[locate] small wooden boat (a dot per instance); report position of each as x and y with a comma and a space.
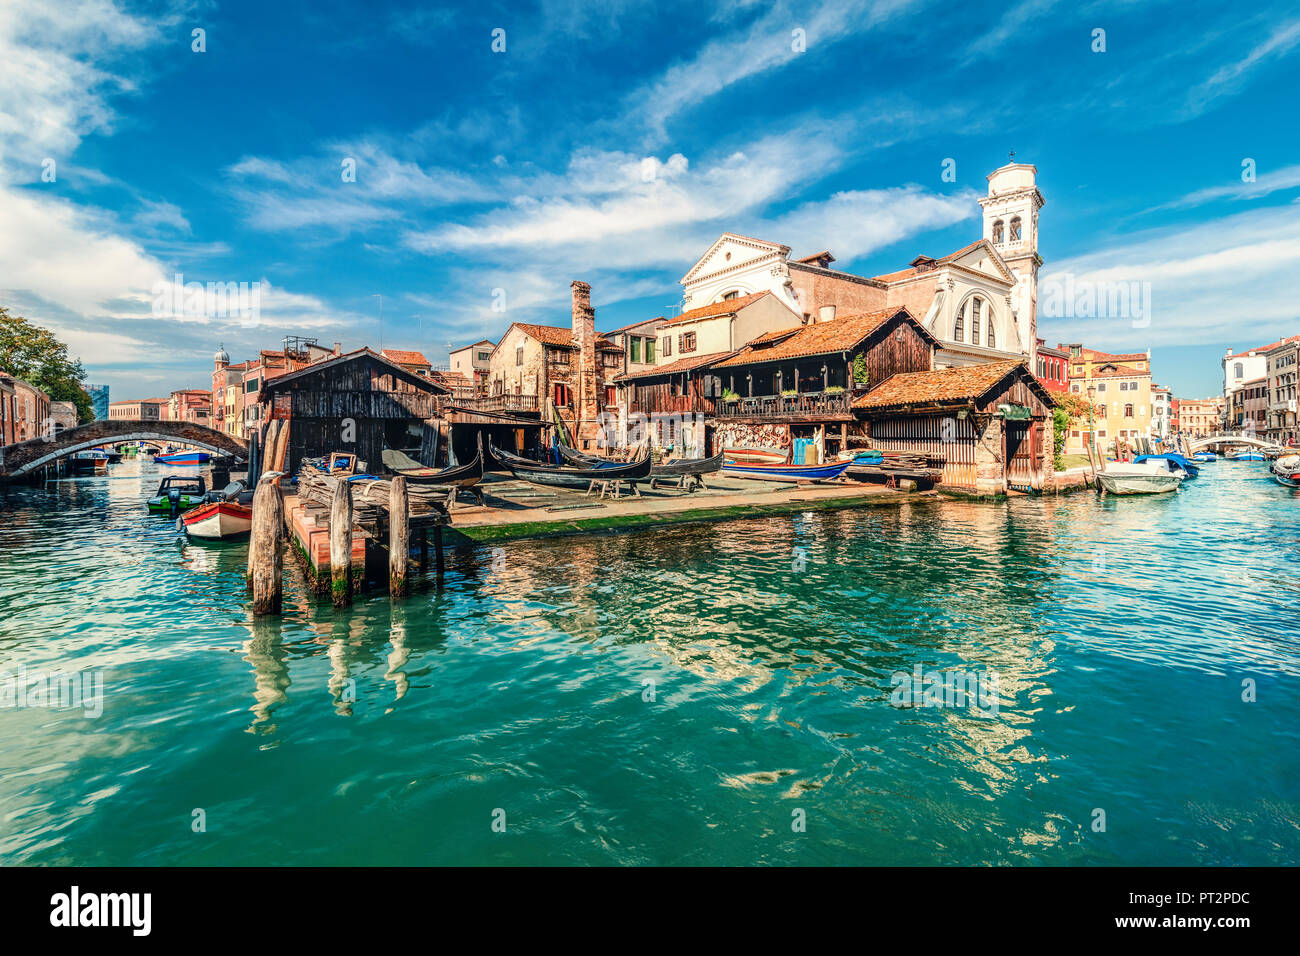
1147, 478
218, 520
183, 458
178, 494
112, 454
688, 466
569, 476
88, 462
461, 476
1286, 471
758, 455
786, 472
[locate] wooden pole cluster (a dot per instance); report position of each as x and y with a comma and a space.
399, 537
265, 563
341, 545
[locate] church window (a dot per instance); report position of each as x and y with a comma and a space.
733, 294
976, 306
1015, 229
997, 231
992, 342
958, 330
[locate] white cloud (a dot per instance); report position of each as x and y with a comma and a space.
1231, 77
1265, 184
1217, 277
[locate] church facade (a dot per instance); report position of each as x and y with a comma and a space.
979, 302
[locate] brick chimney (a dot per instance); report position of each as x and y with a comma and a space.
584, 336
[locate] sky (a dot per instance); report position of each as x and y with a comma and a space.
462, 164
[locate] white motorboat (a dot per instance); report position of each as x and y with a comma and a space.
1286, 471
1145, 478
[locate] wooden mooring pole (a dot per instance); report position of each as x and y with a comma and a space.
399, 536
341, 544
265, 562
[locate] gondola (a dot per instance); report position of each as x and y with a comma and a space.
567, 476
508, 458
462, 476
677, 468
581, 460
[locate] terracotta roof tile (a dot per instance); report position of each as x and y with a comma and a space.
820, 338
937, 387
560, 337
681, 365
725, 307
404, 357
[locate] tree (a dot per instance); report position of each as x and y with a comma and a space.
33, 354
1071, 409
860, 371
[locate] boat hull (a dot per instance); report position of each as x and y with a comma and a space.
217, 520
183, 458
761, 456
783, 472
1286, 471
1139, 484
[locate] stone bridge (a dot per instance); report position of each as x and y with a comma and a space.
1226, 438
25, 457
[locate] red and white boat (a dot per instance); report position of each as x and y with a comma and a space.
218, 519
758, 456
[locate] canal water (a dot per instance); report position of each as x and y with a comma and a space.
728, 693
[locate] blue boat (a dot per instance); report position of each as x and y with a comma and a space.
183, 458
1246, 456
1205, 456
1177, 459
786, 472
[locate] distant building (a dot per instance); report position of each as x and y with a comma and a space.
8, 412
190, 405
139, 409
98, 400
63, 415
1281, 367
1198, 417
1119, 384
1161, 412
1249, 407
473, 362
640, 344
1052, 368
413, 362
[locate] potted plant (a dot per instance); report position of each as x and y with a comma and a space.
729, 395
788, 393
834, 390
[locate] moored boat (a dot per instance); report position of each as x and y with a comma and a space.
178, 493
1205, 456
767, 471
461, 476
218, 520
1247, 455
764, 456
1173, 458
183, 458
1147, 478
569, 476
1286, 471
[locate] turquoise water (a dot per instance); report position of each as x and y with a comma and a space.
683, 696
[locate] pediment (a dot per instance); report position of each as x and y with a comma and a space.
983, 258
730, 251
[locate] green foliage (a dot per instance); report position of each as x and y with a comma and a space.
33, 354
860, 376
1060, 431
729, 395
834, 390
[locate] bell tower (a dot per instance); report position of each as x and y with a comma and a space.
1011, 225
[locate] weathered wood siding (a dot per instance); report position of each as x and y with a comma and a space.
939, 436
888, 353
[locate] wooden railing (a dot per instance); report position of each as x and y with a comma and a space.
786, 406
493, 403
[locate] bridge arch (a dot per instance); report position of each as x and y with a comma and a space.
1194, 444
25, 457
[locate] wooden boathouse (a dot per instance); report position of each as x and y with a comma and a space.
359, 402
990, 424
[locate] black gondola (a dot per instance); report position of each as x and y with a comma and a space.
669, 469
462, 476
571, 476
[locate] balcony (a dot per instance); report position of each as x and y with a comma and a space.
803, 405
502, 404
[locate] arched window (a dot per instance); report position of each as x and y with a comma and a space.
1128, 411
976, 307
997, 231
958, 331
992, 342
1015, 229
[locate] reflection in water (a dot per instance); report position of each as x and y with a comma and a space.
671, 696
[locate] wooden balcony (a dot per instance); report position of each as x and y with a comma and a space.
502, 404
805, 405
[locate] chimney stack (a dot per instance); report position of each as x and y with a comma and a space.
826, 313
338, 348
584, 336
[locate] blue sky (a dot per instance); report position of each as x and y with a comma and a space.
524, 169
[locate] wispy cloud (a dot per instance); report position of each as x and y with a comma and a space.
1265, 184
1231, 77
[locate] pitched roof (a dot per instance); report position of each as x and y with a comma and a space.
1096, 356
1269, 347
474, 345
635, 325
1121, 371
557, 336
427, 384
681, 365
404, 357
725, 307
915, 270
949, 385
821, 338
